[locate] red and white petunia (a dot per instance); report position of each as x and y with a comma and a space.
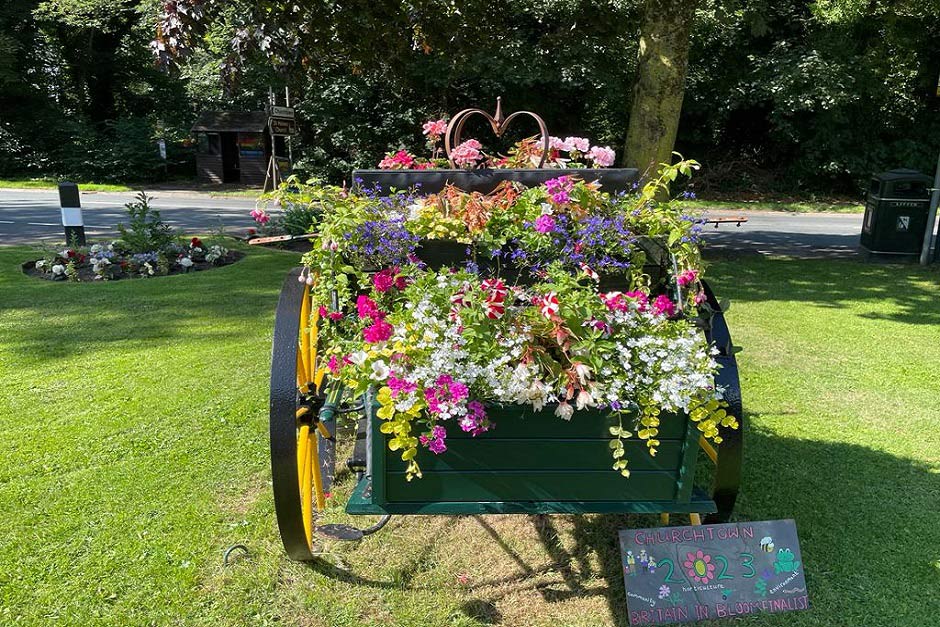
495, 290
494, 309
548, 304
586, 269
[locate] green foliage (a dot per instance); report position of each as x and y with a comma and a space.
146, 232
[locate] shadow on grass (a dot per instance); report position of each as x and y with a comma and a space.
910, 291
866, 521
55, 320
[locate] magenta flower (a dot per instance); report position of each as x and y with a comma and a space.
333, 364
332, 315
434, 128
662, 306
474, 421
602, 157
366, 308
401, 386
435, 442
559, 189
260, 216
384, 280
400, 160
687, 278
544, 223
378, 331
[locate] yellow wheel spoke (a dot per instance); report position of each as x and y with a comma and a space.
317, 478
305, 334
306, 502
709, 449
302, 437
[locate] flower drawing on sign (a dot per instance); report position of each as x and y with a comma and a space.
664, 591
699, 567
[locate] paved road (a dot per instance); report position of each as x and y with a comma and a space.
32, 216
784, 233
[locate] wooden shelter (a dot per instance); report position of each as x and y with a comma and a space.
233, 147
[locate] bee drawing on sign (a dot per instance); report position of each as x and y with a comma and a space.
767, 544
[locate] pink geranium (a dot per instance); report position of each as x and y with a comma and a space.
602, 156
434, 128
581, 144
400, 160
384, 280
467, 154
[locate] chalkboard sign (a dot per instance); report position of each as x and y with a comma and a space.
680, 574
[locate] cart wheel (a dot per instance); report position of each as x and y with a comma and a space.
301, 421
729, 455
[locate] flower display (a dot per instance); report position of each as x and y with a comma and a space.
571, 152
562, 297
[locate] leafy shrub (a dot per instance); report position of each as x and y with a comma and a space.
147, 231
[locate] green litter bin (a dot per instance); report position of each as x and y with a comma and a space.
896, 212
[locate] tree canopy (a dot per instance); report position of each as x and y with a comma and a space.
782, 96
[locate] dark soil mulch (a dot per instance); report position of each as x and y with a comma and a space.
86, 274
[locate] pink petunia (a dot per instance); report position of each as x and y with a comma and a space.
384, 280
687, 278
378, 331
544, 223
662, 306
366, 308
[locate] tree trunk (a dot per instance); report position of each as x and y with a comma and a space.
660, 83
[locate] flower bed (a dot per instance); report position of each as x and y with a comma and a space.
112, 261
147, 247
521, 311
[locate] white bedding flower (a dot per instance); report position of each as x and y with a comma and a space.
380, 370
58, 269
186, 262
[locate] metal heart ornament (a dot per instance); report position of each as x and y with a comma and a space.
498, 123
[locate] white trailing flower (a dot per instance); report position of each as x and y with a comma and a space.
564, 411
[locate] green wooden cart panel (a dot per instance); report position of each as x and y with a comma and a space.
535, 462
540, 454
520, 421
531, 485
360, 503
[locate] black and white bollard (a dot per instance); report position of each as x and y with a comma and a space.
71, 205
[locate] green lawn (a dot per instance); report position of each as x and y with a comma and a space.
27, 183
133, 450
